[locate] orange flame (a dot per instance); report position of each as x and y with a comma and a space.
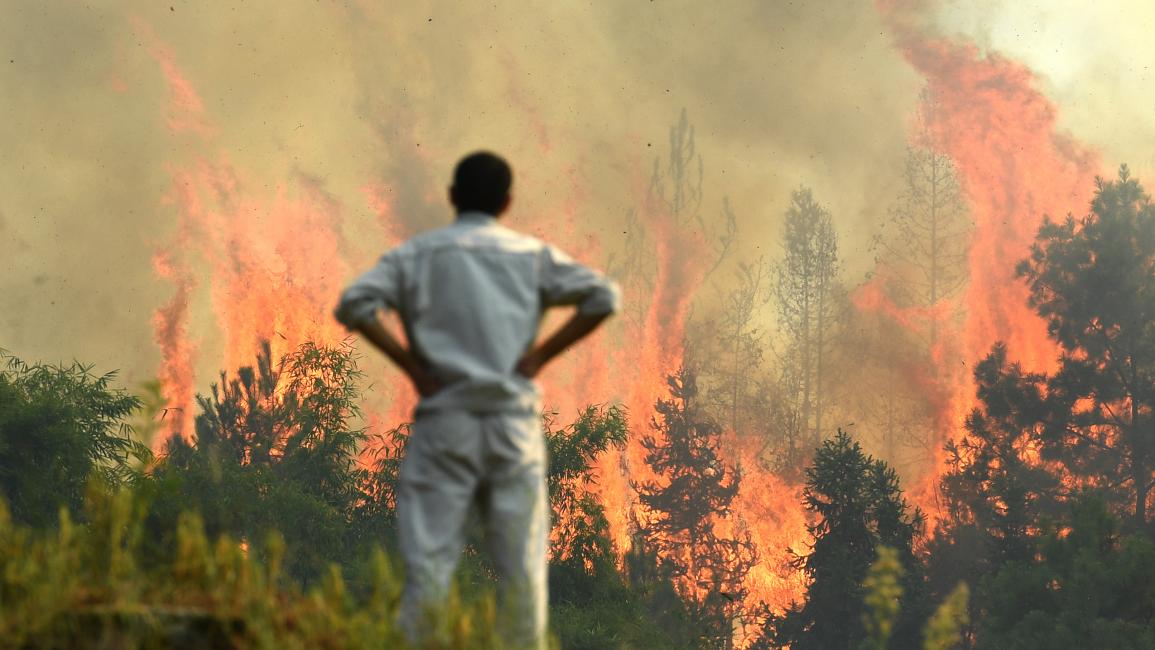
275, 264
1015, 168
170, 321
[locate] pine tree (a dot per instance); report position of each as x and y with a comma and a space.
995, 491
1086, 586
892, 389
921, 266
680, 511
927, 237
676, 186
736, 360
1093, 281
274, 450
857, 505
1037, 440
807, 300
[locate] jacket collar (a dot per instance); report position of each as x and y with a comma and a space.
475, 217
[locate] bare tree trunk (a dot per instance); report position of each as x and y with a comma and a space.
1140, 474
934, 256
735, 388
805, 363
820, 335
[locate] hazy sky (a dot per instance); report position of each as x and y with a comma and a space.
1093, 59
579, 96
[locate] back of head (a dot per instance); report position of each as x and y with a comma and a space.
481, 182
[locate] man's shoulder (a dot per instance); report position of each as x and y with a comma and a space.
423, 240
500, 231
492, 235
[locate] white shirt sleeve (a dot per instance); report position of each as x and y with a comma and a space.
566, 282
376, 289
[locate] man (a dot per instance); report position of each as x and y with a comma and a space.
470, 296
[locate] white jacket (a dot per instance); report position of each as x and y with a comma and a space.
471, 296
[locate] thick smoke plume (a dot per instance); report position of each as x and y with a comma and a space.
110, 104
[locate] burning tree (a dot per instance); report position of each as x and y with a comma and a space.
274, 449
735, 352
921, 266
676, 187
632, 269
580, 534
888, 384
995, 492
807, 297
929, 224
1040, 447
592, 603
858, 506
682, 507
1093, 280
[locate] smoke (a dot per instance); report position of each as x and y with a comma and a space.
1094, 62
371, 106
375, 106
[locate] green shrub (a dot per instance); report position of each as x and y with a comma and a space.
58, 425
87, 586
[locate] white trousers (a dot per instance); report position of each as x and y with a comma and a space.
454, 460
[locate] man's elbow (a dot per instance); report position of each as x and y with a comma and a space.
604, 302
342, 316
353, 314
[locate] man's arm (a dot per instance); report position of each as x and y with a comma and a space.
360, 308
374, 331
566, 282
575, 329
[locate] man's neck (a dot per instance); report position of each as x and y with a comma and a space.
475, 216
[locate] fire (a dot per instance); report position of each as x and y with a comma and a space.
177, 352
273, 266
630, 362
186, 111
273, 263
1015, 168
768, 508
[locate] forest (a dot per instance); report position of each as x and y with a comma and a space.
1023, 524
883, 374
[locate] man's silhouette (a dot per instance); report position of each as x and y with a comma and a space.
471, 296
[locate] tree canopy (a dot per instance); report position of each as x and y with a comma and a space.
60, 425
1093, 280
857, 506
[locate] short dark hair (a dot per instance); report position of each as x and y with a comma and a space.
481, 181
